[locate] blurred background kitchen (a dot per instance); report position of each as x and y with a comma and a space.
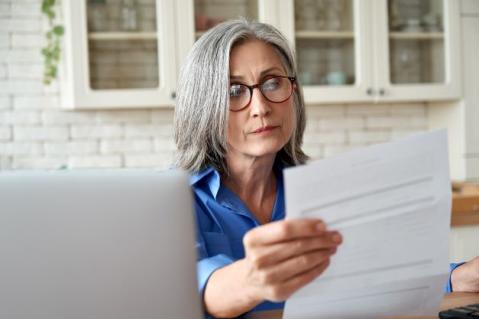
91, 83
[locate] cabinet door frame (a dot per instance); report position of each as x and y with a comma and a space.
185, 30
449, 90
470, 26
76, 90
279, 14
361, 90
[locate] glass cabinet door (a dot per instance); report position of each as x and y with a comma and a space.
416, 50
119, 53
416, 41
333, 43
209, 13
325, 42
122, 44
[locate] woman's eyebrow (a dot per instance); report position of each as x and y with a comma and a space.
262, 74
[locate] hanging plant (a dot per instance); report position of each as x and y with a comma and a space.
51, 51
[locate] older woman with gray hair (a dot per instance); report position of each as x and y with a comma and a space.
239, 121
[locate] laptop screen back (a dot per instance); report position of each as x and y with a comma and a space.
86, 244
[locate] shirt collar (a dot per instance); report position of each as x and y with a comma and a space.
209, 176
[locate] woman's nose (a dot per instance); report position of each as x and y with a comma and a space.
260, 106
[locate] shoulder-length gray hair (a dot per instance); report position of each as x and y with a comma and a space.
201, 115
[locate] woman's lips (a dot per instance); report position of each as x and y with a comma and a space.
265, 129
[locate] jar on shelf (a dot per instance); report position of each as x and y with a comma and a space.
97, 15
129, 15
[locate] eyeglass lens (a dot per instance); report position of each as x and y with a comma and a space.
275, 89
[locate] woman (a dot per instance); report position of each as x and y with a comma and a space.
239, 121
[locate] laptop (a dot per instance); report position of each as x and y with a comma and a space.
97, 245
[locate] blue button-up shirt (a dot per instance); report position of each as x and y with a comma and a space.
223, 219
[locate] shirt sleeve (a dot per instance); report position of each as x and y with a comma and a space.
206, 266
452, 266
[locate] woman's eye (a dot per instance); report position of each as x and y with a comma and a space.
271, 84
236, 90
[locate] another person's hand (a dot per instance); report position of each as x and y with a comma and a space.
465, 278
283, 256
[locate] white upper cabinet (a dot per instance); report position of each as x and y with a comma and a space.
417, 56
376, 50
127, 53
121, 53
333, 49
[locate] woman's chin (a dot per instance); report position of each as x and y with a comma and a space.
265, 150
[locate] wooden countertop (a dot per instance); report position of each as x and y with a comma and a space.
452, 300
465, 204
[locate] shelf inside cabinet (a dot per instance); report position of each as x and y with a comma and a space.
122, 36
416, 35
305, 34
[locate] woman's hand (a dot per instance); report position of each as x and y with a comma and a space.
466, 277
280, 258
283, 256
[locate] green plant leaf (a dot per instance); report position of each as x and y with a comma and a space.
52, 49
58, 30
45, 6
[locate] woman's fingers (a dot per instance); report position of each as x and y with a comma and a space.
284, 290
283, 256
273, 254
284, 230
295, 266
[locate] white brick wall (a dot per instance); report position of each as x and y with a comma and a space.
96, 131
130, 146
36, 133
26, 9
40, 133
102, 161
5, 103
36, 101
5, 133
27, 40
87, 147
4, 40
20, 117
25, 71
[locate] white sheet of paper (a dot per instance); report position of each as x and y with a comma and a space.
392, 203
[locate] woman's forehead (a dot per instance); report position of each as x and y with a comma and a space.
254, 56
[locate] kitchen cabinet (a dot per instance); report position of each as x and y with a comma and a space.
376, 50
461, 117
127, 53
123, 53
470, 47
469, 7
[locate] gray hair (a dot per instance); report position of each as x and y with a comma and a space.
201, 115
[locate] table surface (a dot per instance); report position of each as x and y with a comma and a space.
455, 299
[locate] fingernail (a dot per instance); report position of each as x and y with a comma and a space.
337, 238
321, 227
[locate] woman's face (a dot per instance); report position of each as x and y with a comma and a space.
264, 127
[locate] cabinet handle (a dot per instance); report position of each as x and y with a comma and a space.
382, 92
173, 95
370, 91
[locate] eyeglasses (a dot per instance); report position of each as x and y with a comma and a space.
276, 89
